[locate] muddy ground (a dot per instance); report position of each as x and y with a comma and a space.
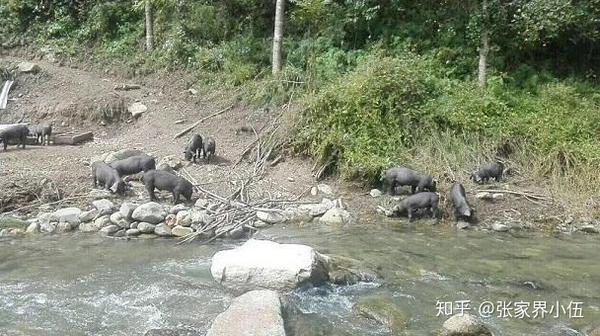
76, 98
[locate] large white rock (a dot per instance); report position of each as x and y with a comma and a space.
104, 206
150, 212
256, 313
137, 109
464, 325
266, 264
68, 215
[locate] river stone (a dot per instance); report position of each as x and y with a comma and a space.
120, 233
34, 227
271, 217
348, 271
499, 227
200, 217
201, 203
28, 67
69, 215
150, 212
65, 227
589, 229
132, 232
375, 193
105, 206
48, 227
183, 218
146, 227
134, 225
162, 230
177, 208
267, 264
324, 189
260, 224
181, 231
462, 225
256, 313
336, 216
117, 219
100, 193
88, 216
464, 325
383, 311
110, 229
127, 209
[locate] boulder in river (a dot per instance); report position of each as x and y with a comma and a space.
146, 227
88, 216
256, 313
267, 264
162, 230
109, 229
104, 206
383, 311
127, 209
118, 220
464, 325
336, 216
180, 231
69, 215
150, 212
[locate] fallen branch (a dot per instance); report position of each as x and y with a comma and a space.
185, 131
518, 193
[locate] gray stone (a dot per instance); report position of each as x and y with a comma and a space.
201, 203
48, 227
132, 232
137, 109
110, 229
325, 189
34, 227
104, 206
170, 163
162, 230
260, 224
589, 229
69, 215
117, 219
499, 227
177, 208
28, 67
375, 193
384, 311
256, 313
266, 264
88, 216
100, 193
183, 218
336, 216
464, 325
127, 209
271, 217
200, 217
462, 225
134, 225
151, 212
146, 227
65, 227
180, 231
120, 233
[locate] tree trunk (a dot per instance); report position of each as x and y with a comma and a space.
278, 35
485, 46
149, 26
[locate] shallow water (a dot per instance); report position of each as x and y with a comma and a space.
65, 285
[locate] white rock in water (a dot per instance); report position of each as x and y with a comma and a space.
137, 109
146, 227
375, 193
65, 227
484, 196
69, 215
256, 313
464, 325
132, 232
325, 189
150, 212
180, 231
183, 218
336, 216
162, 230
28, 67
462, 225
271, 217
105, 206
266, 264
499, 227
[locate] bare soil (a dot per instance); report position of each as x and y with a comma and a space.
79, 99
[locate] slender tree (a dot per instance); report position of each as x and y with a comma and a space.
149, 26
278, 35
484, 49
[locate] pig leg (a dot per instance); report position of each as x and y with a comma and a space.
410, 216
175, 196
150, 189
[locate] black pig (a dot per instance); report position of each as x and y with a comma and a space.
163, 180
134, 164
424, 200
403, 176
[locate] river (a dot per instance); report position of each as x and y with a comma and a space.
89, 285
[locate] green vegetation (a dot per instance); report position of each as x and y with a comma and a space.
380, 84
